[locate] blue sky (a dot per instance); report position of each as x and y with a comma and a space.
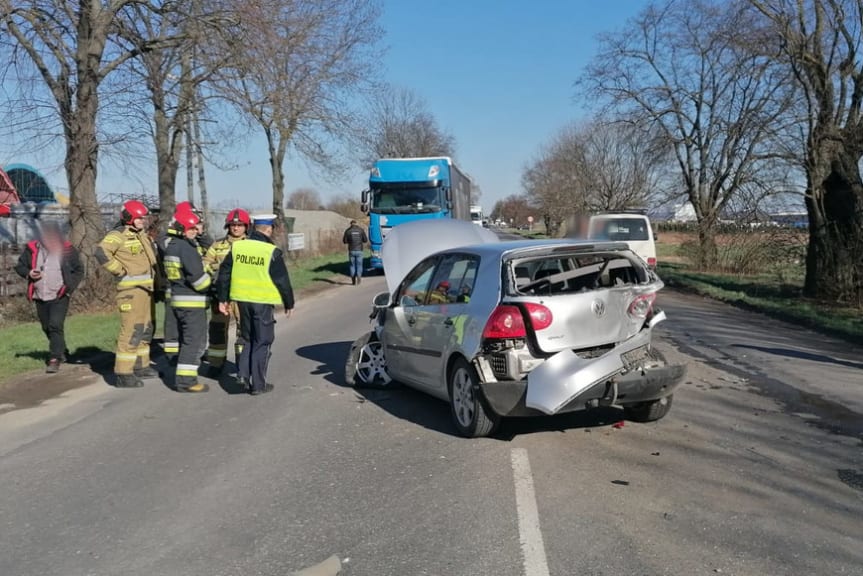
497, 74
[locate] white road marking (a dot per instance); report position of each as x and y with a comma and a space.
530, 535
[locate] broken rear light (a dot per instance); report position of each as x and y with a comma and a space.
651, 262
540, 316
641, 306
505, 322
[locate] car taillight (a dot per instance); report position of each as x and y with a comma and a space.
505, 322
651, 262
540, 316
640, 307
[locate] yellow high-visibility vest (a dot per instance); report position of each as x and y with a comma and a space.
250, 273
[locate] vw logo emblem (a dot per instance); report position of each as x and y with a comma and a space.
598, 307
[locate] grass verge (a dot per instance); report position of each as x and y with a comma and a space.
88, 335
767, 295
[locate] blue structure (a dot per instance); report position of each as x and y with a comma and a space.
30, 184
407, 189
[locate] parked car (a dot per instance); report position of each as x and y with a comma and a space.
631, 227
500, 329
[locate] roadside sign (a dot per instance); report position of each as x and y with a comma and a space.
296, 241
530, 219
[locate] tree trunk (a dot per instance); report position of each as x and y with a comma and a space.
168, 150
82, 150
834, 258
277, 158
708, 255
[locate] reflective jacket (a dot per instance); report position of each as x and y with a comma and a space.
217, 252
129, 255
187, 278
255, 272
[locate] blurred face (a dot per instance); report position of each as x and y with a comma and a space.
139, 223
236, 229
192, 233
52, 241
200, 227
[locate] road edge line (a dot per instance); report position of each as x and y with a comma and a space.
529, 532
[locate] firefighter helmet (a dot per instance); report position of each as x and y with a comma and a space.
238, 215
133, 209
186, 220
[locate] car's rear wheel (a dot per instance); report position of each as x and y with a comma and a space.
367, 364
649, 411
471, 417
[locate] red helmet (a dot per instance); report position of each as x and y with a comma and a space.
238, 215
186, 220
131, 210
185, 206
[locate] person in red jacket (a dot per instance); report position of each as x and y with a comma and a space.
53, 271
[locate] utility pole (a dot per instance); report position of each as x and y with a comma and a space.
186, 65
199, 151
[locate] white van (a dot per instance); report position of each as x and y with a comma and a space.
633, 228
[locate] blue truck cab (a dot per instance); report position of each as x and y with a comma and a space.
407, 189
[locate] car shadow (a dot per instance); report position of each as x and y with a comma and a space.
330, 357
420, 409
800, 355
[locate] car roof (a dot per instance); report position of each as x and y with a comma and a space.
514, 248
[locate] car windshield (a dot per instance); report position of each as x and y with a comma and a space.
405, 199
619, 229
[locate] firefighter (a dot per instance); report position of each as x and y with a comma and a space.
189, 286
255, 276
171, 337
127, 253
237, 224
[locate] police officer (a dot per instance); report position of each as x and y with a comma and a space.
127, 253
189, 285
237, 224
255, 276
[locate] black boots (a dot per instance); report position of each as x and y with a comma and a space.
128, 381
355, 280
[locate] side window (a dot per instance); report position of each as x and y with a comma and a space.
454, 281
415, 287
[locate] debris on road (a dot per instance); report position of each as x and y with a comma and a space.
618, 425
332, 566
620, 482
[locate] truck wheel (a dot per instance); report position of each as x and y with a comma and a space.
366, 365
472, 419
649, 411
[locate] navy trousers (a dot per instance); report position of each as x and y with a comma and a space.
258, 330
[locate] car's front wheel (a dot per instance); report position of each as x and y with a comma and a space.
649, 411
366, 365
471, 417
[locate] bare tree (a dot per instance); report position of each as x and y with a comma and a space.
681, 68
821, 46
513, 209
73, 48
399, 124
304, 199
296, 63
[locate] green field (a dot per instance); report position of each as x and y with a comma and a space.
87, 335
769, 295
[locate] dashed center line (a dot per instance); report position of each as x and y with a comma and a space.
530, 535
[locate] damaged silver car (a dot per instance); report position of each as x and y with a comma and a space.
500, 329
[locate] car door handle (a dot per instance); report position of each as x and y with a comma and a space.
448, 322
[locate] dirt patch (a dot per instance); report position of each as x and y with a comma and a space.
29, 390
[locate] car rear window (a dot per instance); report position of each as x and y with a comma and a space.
551, 275
620, 229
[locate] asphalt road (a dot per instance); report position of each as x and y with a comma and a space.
757, 470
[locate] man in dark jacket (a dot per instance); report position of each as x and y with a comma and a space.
254, 275
355, 237
53, 271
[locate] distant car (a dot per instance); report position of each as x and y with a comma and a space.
523, 328
632, 228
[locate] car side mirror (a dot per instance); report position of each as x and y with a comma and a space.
382, 300
365, 197
364, 207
